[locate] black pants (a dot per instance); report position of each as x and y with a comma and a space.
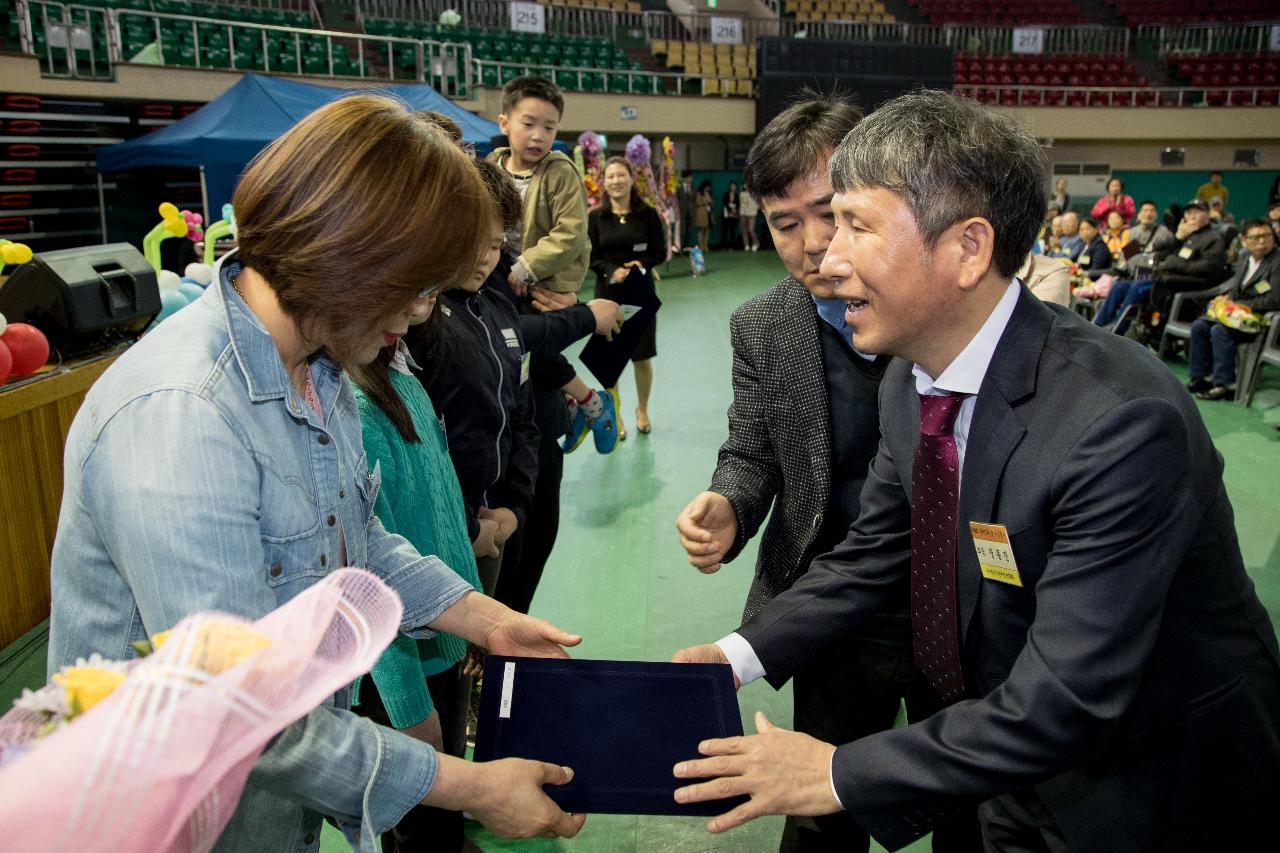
852, 690
425, 828
527, 551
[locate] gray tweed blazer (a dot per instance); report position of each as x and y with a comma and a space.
779, 445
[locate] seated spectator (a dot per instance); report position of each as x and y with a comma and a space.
1162, 245
1212, 350
1115, 199
1117, 236
1095, 258
1069, 242
1197, 259
1214, 189
1047, 243
1048, 278
1219, 213
1151, 235
1273, 217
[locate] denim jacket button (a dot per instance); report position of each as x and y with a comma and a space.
309, 839
324, 560
276, 570
323, 439
332, 521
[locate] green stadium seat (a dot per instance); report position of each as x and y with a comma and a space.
490, 77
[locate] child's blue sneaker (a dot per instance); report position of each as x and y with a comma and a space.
578, 430
604, 429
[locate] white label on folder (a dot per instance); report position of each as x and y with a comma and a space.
508, 684
629, 311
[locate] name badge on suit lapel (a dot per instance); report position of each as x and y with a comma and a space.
1085, 260
1186, 252
1263, 286
995, 553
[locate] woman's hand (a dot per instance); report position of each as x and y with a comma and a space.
518, 635
620, 274
505, 795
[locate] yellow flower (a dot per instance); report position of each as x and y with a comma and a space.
220, 644
86, 686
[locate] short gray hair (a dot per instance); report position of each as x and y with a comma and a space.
949, 158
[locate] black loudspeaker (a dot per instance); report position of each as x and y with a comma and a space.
869, 72
84, 299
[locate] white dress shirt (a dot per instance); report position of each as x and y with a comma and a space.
963, 376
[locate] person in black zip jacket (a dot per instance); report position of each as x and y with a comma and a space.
480, 387
549, 323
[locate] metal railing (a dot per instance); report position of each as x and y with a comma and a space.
638, 82
496, 14
1208, 38
66, 32
1121, 96
445, 65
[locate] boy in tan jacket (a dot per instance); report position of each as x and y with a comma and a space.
554, 247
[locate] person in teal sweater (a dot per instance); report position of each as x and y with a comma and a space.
421, 500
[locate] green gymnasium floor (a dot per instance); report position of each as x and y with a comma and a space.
618, 575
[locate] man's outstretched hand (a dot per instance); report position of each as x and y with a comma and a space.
783, 773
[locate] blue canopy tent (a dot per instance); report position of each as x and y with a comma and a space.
222, 137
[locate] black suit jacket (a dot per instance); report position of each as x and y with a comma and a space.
1134, 680
1245, 290
779, 433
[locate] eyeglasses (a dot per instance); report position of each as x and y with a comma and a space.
1257, 238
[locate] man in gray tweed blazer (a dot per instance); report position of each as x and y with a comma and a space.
803, 429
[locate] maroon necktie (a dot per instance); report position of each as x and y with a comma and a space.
935, 498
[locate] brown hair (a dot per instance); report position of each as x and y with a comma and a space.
350, 211
796, 141
531, 87
502, 189
441, 121
637, 203
428, 341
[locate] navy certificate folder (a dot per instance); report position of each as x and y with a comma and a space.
607, 359
621, 725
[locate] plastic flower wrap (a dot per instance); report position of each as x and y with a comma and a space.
152, 754
668, 174
639, 152
1233, 315
450, 18
592, 174
577, 161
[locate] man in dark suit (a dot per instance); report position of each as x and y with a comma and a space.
1049, 495
803, 428
1211, 352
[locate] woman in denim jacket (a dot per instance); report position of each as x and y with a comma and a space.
218, 465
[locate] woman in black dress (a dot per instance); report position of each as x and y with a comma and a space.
625, 232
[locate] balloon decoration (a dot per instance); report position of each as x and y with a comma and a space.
592, 174
6, 362
201, 274
172, 224
195, 231
27, 347
216, 231
14, 253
